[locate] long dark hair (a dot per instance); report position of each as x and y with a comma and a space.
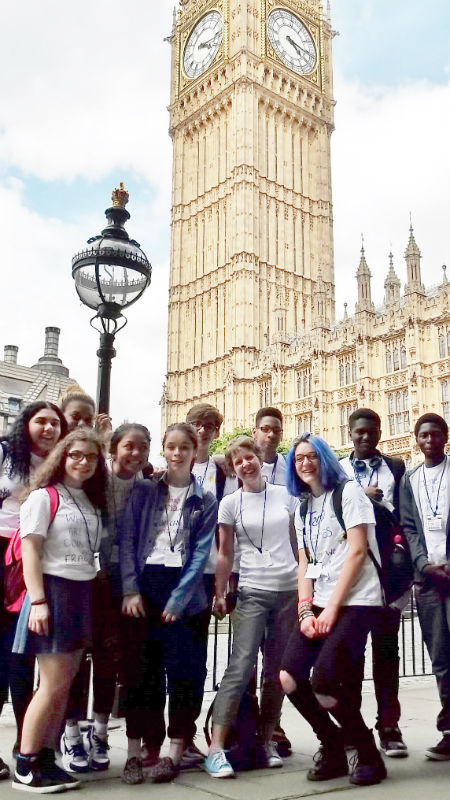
18, 442
53, 469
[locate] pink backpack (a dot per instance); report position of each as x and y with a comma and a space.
14, 584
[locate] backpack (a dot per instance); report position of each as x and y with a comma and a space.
244, 749
395, 571
14, 584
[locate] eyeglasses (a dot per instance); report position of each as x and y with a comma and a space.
77, 455
208, 427
269, 429
310, 456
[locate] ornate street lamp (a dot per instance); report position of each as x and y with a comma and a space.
109, 276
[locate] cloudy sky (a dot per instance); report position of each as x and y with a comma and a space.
83, 105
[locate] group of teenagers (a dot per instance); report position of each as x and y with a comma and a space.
129, 563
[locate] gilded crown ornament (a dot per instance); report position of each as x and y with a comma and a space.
120, 196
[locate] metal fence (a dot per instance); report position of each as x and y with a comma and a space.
414, 660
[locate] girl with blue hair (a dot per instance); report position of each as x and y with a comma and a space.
339, 599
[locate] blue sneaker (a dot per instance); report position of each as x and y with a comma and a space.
96, 749
218, 766
73, 755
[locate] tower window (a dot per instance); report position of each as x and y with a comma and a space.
344, 412
398, 412
304, 382
445, 394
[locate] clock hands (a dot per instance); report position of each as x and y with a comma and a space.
210, 43
297, 47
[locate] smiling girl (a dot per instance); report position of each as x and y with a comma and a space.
165, 538
56, 618
258, 517
339, 598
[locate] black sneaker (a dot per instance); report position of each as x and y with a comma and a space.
29, 777
51, 769
4, 771
441, 752
367, 765
330, 762
392, 744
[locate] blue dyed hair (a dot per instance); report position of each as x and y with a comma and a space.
331, 472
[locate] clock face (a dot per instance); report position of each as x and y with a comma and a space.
291, 41
202, 44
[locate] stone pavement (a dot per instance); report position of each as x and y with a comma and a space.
413, 778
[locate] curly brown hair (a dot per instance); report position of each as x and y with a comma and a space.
52, 471
18, 442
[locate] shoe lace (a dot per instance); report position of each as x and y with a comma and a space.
220, 758
353, 761
319, 756
77, 750
101, 745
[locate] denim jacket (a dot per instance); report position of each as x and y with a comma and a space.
137, 540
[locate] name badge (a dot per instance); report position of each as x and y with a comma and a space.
313, 571
172, 558
97, 562
261, 559
434, 523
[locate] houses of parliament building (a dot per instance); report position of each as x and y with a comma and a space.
251, 297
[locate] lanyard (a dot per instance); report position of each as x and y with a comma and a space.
263, 519
435, 510
358, 477
318, 523
202, 480
180, 516
95, 548
272, 477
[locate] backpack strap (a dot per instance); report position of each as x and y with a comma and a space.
220, 483
337, 503
54, 502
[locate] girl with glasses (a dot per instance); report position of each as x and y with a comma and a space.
339, 600
56, 618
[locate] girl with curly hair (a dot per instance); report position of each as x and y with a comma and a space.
34, 433
55, 623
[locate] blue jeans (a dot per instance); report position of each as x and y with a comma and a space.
259, 614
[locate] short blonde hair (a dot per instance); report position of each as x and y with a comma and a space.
242, 441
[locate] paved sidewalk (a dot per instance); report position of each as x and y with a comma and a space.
413, 778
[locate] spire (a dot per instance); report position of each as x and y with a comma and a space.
363, 277
345, 311
391, 285
320, 302
444, 279
412, 258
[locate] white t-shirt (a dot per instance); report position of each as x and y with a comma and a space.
11, 487
327, 545
276, 472
434, 485
275, 569
71, 540
205, 475
167, 532
381, 477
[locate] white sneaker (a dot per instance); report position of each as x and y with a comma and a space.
73, 755
273, 758
97, 750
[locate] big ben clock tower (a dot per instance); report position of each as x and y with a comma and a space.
251, 117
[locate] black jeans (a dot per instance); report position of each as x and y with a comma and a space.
337, 661
434, 617
163, 656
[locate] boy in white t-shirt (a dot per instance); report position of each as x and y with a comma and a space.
424, 508
380, 476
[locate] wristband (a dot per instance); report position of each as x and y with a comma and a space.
39, 602
305, 600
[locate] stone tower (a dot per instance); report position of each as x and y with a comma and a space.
251, 116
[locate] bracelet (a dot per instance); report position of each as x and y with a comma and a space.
39, 602
305, 600
304, 615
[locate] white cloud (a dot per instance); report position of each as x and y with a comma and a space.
390, 156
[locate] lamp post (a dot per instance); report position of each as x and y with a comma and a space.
109, 276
